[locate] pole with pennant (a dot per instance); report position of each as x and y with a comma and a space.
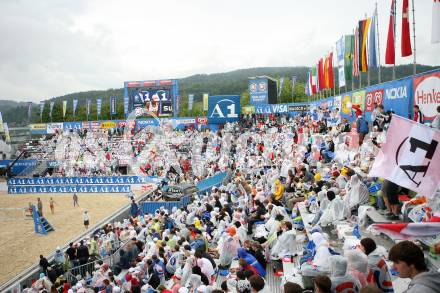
378, 45
414, 37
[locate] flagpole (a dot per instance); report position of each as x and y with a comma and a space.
367, 55
378, 46
394, 36
414, 38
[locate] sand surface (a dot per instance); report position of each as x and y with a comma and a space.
20, 247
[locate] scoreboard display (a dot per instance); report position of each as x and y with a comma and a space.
154, 101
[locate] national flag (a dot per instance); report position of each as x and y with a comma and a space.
390, 57
406, 41
64, 108
409, 231
364, 25
372, 56
356, 53
75, 104
326, 73
314, 88
321, 81
331, 82
435, 29
348, 57
41, 109
308, 86
410, 156
51, 105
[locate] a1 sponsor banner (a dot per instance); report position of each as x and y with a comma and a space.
128, 124
69, 189
53, 127
271, 108
427, 93
72, 125
108, 125
202, 120
373, 97
84, 180
299, 108
258, 91
38, 128
222, 109
410, 156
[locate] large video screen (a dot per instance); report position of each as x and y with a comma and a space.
155, 101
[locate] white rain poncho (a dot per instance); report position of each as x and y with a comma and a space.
284, 245
339, 276
335, 211
228, 250
356, 193
320, 262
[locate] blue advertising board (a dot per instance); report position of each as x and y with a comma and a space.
398, 96
83, 180
19, 166
271, 108
142, 123
73, 125
258, 91
69, 189
223, 109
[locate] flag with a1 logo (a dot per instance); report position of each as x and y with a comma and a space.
410, 156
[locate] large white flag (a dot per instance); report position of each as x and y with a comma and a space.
410, 156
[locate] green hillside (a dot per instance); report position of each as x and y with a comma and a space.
234, 82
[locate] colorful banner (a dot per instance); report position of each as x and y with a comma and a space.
427, 94
108, 125
64, 108
190, 101
258, 91
38, 128
98, 106
72, 125
205, 102
410, 156
112, 105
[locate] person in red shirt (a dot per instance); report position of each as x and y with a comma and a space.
418, 116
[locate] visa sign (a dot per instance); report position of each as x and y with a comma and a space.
223, 109
271, 108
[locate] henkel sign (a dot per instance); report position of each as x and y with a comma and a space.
373, 97
427, 94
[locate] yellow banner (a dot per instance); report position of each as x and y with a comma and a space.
38, 126
205, 102
108, 125
248, 109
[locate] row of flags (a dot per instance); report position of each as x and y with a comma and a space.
75, 106
358, 52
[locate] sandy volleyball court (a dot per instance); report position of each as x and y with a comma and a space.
20, 247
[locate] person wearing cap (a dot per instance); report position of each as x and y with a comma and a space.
58, 257
362, 128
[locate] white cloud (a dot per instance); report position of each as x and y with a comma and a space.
50, 48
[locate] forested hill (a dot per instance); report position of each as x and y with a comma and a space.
233, 82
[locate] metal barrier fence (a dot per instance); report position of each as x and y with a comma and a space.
26, 277
150, 207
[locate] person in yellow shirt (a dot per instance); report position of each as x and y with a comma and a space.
278, 193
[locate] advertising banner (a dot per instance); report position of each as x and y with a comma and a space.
299, 108
84, 180
398, 95
127, 124
271, 108
140, 124
108, 125
112, 105
427, 94
202, 120
53, 127
69, 189
20, 165
38, 128
258, 91
222, 109
72, 125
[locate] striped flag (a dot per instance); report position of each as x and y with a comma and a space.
356, 53
372, 55
314, 87
364, 25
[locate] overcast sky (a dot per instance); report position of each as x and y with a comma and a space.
50, 48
